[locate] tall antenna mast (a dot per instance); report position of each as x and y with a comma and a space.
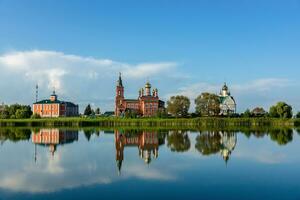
36, 92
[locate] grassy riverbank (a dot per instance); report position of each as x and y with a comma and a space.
150, 122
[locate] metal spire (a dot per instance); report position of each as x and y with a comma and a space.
36, 92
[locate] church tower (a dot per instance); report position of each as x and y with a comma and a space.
225, 91
119, 97
148, 88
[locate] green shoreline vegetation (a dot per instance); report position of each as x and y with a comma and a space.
175, 116
180, 123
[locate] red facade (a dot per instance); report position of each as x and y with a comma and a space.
147, 104
54, 108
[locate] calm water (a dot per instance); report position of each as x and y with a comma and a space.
76, 164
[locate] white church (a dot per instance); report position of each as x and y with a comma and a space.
227, 102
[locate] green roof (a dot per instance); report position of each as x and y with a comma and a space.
48, 101
222, 99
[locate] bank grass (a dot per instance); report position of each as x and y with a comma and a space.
144, 123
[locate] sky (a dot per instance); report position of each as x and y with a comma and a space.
181, 47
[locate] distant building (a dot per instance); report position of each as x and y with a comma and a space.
258, 112
147, 104
108, 114
227, 102
55, 108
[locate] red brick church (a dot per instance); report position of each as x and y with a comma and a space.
147, 104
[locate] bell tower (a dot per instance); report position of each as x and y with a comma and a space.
119, 96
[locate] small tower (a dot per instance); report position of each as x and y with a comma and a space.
225, 91
53, 96
148, 88
36, 93
119, 96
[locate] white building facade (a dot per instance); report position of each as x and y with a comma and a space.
227, 102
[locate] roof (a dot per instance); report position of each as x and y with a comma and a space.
48, 101
222, 99
109, 112
69, 103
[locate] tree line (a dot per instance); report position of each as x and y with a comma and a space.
15, 111
208, 105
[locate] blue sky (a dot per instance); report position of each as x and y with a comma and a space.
194, 47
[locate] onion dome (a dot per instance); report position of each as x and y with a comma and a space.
147, 85
225, 87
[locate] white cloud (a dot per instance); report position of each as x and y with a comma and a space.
53, 66
76, 77
91, 80
142, 172
262, 85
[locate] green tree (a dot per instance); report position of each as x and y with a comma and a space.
4, 113
97, 112
207, 104
130, 113
20, 114
281, 110
298, 115
247, 113
161, 113
273, 112
178, 141
88, 110
16, 111
178, 106
23, 112
35, 116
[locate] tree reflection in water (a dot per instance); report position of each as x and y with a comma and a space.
178, 141
213, 142
148, 142
281, 136
14, 134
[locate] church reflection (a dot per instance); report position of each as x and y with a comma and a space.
52, 138
213, 142
147, 143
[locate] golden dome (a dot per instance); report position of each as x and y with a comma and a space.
147, 85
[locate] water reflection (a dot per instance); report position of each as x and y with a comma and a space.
178, 141
147, 143
212, 142
14, 135
52, 138
167, 156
